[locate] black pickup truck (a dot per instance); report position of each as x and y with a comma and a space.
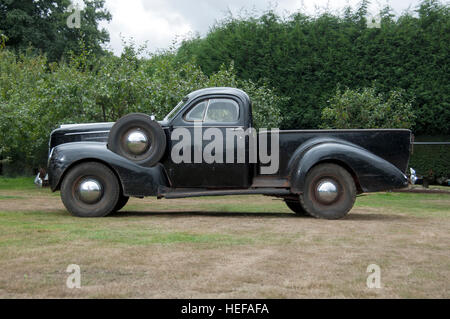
98, 166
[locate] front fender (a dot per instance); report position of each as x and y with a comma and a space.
372, 172
135, 180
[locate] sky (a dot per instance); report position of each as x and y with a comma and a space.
160, 23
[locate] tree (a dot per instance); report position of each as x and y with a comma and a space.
43, 26
364, 108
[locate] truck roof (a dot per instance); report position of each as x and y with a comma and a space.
220, 90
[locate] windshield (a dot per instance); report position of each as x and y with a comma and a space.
175, 110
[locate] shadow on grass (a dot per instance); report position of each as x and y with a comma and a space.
174, 214
126, 213
356, 216
373, 217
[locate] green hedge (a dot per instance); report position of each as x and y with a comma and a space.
431, 157
305, 56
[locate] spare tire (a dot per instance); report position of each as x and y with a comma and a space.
139, 138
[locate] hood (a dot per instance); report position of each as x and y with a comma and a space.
84, 132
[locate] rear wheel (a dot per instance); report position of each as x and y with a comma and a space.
296, 207
330, 192
90, 190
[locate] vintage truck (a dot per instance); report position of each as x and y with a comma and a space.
98, 166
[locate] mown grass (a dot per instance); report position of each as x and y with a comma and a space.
419, 205
10, 197
18, 183
215, 204
58, 227
16, 229
414, 204
254, 244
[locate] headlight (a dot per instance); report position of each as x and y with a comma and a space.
413, 177
38, 180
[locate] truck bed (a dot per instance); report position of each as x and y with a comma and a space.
392, 145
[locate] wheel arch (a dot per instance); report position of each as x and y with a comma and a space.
88, 160
370, 172
134, 180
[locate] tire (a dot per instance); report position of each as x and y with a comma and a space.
296, 207
148, 150
329, 193
123, 200
90, 190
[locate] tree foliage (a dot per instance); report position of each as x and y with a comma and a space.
42, 26
306, 57
364, 108
293, 69
37, 96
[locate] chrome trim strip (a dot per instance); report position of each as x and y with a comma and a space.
209, 126
83, 124
96, 138
87, 132
431, 143
335, 130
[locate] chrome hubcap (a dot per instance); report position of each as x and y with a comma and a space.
137, 142
90, 191
327, 191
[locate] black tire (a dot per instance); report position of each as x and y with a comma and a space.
342, 197
144, 124
296, 207
123, 200
87, 172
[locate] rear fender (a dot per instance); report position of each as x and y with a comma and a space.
372, 173
135, 180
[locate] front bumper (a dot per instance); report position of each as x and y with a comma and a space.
41, 181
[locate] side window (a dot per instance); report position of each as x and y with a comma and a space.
197, 112
222, 111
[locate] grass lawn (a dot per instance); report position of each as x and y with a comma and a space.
226, 247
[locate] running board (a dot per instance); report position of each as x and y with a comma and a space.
182, 193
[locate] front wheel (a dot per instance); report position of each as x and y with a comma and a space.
123, 200
90, 190
329, 193
296, 207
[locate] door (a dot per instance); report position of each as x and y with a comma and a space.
217, 159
